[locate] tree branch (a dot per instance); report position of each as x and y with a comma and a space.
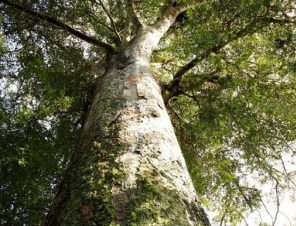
92, 15
111, 20
251, 28
135, 19
241, 191
61, 25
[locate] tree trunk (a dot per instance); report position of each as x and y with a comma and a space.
128, 168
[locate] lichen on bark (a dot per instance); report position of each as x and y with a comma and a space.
127, 168
154, 204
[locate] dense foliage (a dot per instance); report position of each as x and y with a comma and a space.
229, 66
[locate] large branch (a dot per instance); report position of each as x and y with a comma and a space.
132, 13
61, 25
172, 89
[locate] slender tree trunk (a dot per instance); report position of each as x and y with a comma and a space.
128, 168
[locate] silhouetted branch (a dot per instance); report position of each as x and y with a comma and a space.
61, 25
111, 20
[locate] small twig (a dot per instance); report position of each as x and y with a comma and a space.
266, 209
91, 14
286, 218
277, 204
111, 20
242, 193
192, 97
245, 220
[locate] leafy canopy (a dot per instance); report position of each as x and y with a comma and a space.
227, 70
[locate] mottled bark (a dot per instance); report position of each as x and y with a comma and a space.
128, 168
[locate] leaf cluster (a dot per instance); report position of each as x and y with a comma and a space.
236, 119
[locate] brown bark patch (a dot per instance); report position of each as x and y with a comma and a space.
134, 78
85, 212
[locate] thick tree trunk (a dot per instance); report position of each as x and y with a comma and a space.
128, 168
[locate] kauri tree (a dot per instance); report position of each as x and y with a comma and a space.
97, 96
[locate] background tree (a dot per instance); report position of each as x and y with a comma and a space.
227, 75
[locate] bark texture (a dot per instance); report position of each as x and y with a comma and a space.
128, 168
